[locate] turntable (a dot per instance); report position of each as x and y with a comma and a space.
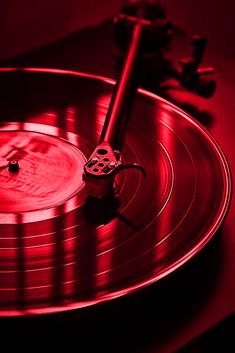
105, 189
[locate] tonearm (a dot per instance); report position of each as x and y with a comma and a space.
141, 30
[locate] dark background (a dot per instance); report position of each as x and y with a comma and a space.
26, 24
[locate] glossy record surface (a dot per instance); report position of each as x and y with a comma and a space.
58, 249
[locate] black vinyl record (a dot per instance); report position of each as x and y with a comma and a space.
60, 250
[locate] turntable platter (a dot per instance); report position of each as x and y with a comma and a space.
60, 252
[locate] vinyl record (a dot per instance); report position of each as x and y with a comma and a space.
59, 248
